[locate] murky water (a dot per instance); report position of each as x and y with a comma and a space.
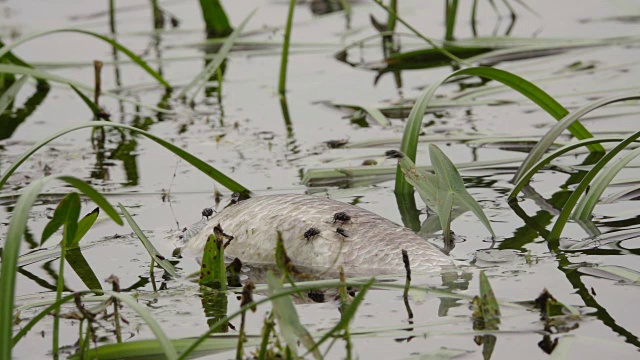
246, 137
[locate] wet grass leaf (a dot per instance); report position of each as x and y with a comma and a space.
155, 255
289, 323
569, 205
486, 308
10, 94
567, 121
135, 58
188, 157
213, 272
413, 127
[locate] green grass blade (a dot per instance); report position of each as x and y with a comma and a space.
587, 203
196, 162
424, 181
377, 115
284, 60
414, 122
290, 327
90, 104
569, 120
83, 227
200, 79
95, 196
527, 175
68, 208
135, 58
24, 70
447, 173
215, 18
7, 97
166, 344
568, 207
155, 255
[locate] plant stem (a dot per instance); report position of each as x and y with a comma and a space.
59, 289
285, 49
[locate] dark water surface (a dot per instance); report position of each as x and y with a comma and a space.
245, 137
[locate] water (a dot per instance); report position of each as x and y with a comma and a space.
246, 137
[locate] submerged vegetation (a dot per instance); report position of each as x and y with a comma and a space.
258, 317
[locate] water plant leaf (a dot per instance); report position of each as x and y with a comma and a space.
486, 307
213, 272
414, 122
188, 157
95, 110
155, 255
10, 94
291, 328
215, 18
613, 272
584, 208
565, 123
83, 227
376, 115
569, 205
135, 58
202, 77
11, 248
533, 169
66, 213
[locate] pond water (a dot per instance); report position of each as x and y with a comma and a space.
243, 134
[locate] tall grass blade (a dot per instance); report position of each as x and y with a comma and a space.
135, 58
289, 322
588, 202
10, 94
528, 174
282, 82
215, 18
67, 213
413, 128
155, 255
567, 121
24, 70
200, 79
191, 159
11, 249
568, 207
90, 104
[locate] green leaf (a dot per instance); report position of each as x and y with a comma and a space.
83, 227
135, 58
569, 205
533, 169
566, 122
10, 94
588, 202
414, 122
212, 67
191, 159
155, 255
290, 327
67, 213
486, 308
95, 110
81, 267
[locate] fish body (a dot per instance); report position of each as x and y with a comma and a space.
365, 244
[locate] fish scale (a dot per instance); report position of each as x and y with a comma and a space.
373, 246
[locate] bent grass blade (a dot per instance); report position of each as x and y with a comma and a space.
413, 128
188, 157
153, 252
565, 123
8, 96
135, 58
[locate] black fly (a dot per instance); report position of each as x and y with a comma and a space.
341, 216
311, 233
342, 232
207, 212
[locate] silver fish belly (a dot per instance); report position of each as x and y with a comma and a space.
365, 244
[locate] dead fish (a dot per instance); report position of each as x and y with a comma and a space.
374, 247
